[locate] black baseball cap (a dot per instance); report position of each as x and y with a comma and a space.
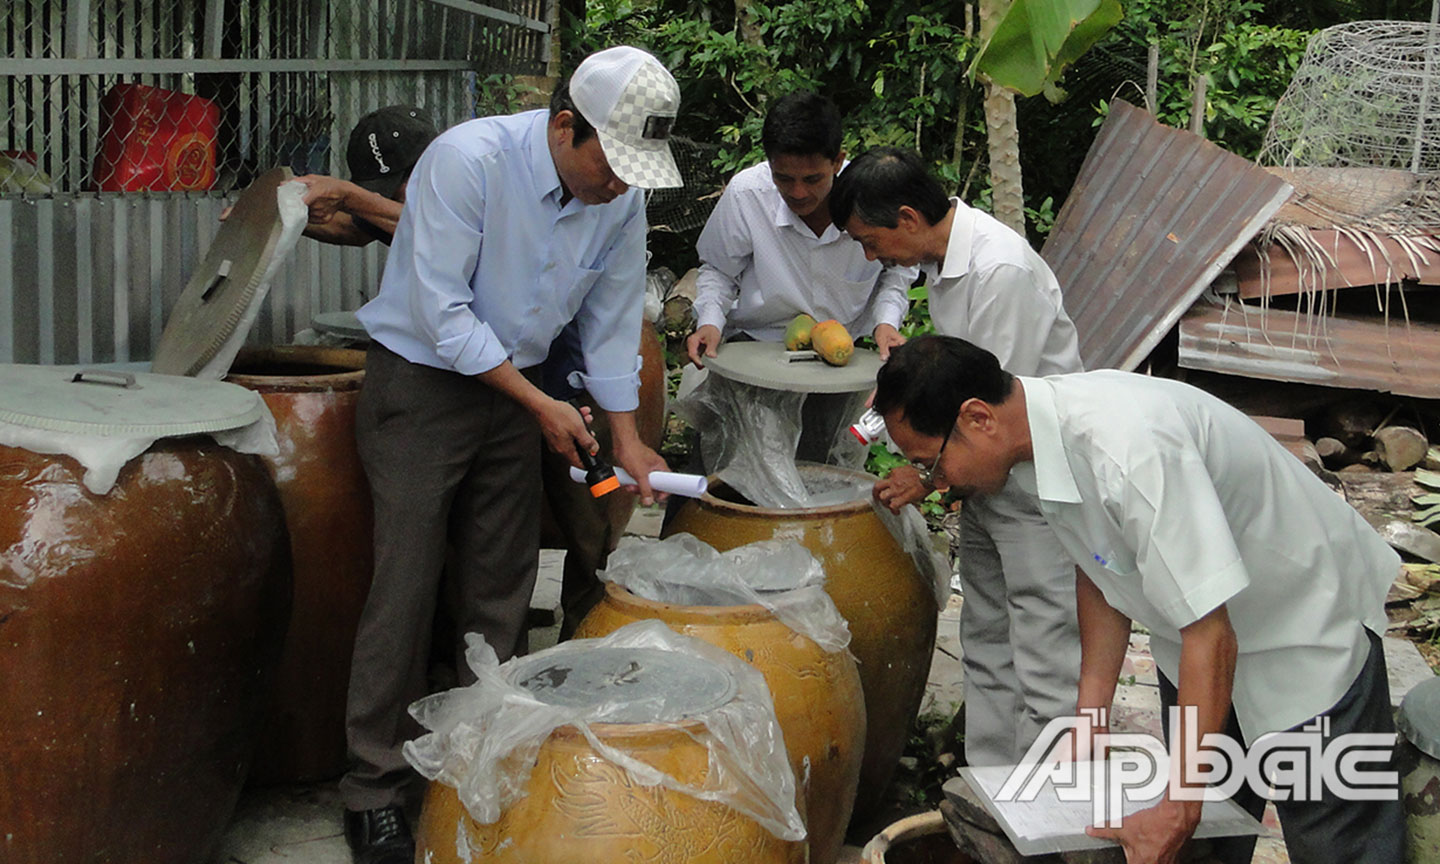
385, 145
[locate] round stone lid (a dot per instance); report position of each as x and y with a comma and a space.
220, 292
650, 685
114, 404
342, 324
769, 365
1419, 717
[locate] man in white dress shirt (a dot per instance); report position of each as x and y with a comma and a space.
769, 253
512, 227
986, 284
1263, 591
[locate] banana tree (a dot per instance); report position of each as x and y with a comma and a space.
1026, 45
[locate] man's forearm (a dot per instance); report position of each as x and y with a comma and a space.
1104, 636
1208, 651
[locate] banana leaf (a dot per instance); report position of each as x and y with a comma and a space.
1037, 39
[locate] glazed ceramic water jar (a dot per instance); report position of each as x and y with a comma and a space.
1418, 761
139, 625
889, 605
817, 696
579, 807
312, 392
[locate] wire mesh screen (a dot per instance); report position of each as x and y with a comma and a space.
1358, 130
200, 95
686, 208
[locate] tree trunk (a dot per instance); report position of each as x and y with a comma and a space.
1004, 137
1003, 134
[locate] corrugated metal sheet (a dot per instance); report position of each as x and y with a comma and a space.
1154, 216
89, 278
1335, 351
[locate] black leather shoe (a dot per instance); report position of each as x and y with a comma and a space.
379, 836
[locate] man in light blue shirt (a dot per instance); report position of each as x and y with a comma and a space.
512, 227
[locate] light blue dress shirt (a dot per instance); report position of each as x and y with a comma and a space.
465, 292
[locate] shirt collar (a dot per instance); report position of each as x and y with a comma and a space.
962, 233
1053, 478
542, 164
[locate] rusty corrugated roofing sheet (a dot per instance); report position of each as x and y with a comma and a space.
1154, 216
1332, 350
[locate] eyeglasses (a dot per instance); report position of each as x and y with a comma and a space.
927, 473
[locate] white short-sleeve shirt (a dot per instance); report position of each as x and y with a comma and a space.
761, 265
992, 289
1174, 503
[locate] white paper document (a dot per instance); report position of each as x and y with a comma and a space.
1042, 816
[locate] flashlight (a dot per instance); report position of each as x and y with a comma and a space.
869, 427
599, 476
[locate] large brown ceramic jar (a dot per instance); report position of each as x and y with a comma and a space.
817, 696
579, 808
137, 631
889, 605
312, 392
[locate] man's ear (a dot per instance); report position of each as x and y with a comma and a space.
907, 218
838, 163
563, 123
978, 416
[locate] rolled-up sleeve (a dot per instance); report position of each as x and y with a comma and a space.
892, 296
446, 203
725, 248
611, 315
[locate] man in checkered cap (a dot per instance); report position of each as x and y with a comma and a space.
512, 227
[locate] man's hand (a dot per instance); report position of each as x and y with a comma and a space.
640, 460
325, 196
565, 428
1156, 835
703, 341
902, 487
887, 338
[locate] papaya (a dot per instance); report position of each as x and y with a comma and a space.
797, 335
832, 342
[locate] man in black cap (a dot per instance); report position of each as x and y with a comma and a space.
383, 147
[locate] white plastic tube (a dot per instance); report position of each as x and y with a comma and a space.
688, 485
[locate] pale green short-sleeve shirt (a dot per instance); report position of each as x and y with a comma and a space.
1174, 503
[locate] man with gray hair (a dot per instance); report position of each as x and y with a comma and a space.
986, 284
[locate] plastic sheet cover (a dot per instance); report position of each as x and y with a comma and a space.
780, 575
748, 436
484, 739
102, 456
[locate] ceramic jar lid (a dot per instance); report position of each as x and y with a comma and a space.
342, 324
222, 289
1419, 717
645, 685
111, 404
769, 365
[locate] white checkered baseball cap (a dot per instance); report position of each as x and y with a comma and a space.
631, 100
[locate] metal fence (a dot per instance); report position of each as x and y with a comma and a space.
199, 95
126, 125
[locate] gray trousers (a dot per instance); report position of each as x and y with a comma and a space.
448, 459
1018, 627
1331, 830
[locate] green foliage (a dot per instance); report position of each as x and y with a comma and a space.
897, 71
1037, 39
1247, 64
